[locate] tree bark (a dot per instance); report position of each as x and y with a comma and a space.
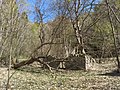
23, 63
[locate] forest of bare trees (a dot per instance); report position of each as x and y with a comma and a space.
80, 34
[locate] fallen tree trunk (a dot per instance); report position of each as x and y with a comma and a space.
46, 62
27, 62
23, 63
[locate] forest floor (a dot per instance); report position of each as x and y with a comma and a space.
103, 77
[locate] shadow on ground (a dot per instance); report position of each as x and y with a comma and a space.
113, 73
31, 69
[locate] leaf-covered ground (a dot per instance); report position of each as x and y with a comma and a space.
34, 78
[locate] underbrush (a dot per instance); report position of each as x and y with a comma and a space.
34, 78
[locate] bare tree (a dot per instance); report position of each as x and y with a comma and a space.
113, 31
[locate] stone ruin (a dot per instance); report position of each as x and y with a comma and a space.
81, 62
